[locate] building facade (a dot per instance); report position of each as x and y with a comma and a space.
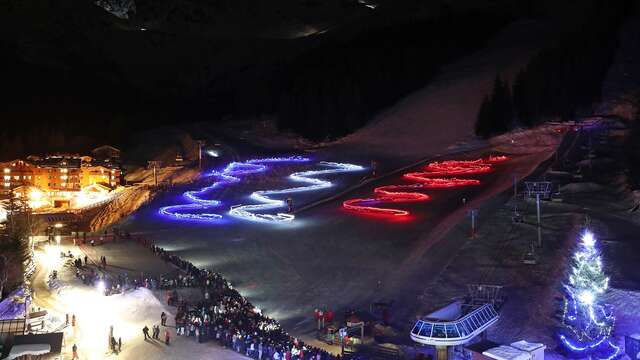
99, 174
58, 173
16, 173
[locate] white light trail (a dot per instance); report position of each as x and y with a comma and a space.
229, 175
247, 212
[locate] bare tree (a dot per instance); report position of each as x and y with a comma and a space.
4, 273
14, 243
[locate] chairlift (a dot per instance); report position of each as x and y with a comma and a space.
556, 197
529, 258
517, 216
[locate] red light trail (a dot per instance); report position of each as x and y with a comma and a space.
496, 159
387, 194
431, 178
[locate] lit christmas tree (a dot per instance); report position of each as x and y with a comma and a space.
587, 321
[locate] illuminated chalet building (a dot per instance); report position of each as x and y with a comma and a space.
60, 174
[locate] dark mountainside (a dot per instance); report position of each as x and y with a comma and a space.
562, 80
83, 76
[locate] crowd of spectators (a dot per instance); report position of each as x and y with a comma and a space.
223, 315
228, 318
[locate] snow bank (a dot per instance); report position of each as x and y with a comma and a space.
529, 141
265, 133
586, 187
129, 201
597, 162
170, 174
12, 307
626, 310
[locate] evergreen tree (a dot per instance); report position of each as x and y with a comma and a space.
484, 118
502, 106
495, 115
522, 110
587, 322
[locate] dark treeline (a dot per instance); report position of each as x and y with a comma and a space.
560, 80
64, 135
73, 93
632, 152
496, 111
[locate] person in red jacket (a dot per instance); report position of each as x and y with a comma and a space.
328, 317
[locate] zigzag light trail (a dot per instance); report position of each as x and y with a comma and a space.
227, 176
431, 178
248, 212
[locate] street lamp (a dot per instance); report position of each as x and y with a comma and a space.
201, 143
154, 165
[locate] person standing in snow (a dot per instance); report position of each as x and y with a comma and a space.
145, 331
74, 349
167, 337
320, 319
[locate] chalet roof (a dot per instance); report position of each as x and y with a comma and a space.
10, 163
53, 339
97, 187
104, 163
59, 162
24, 187
105, 147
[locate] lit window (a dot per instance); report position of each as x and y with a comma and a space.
63, 170
7, 170
16, 177
63, 184
63, 177
7, 184
7, 177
